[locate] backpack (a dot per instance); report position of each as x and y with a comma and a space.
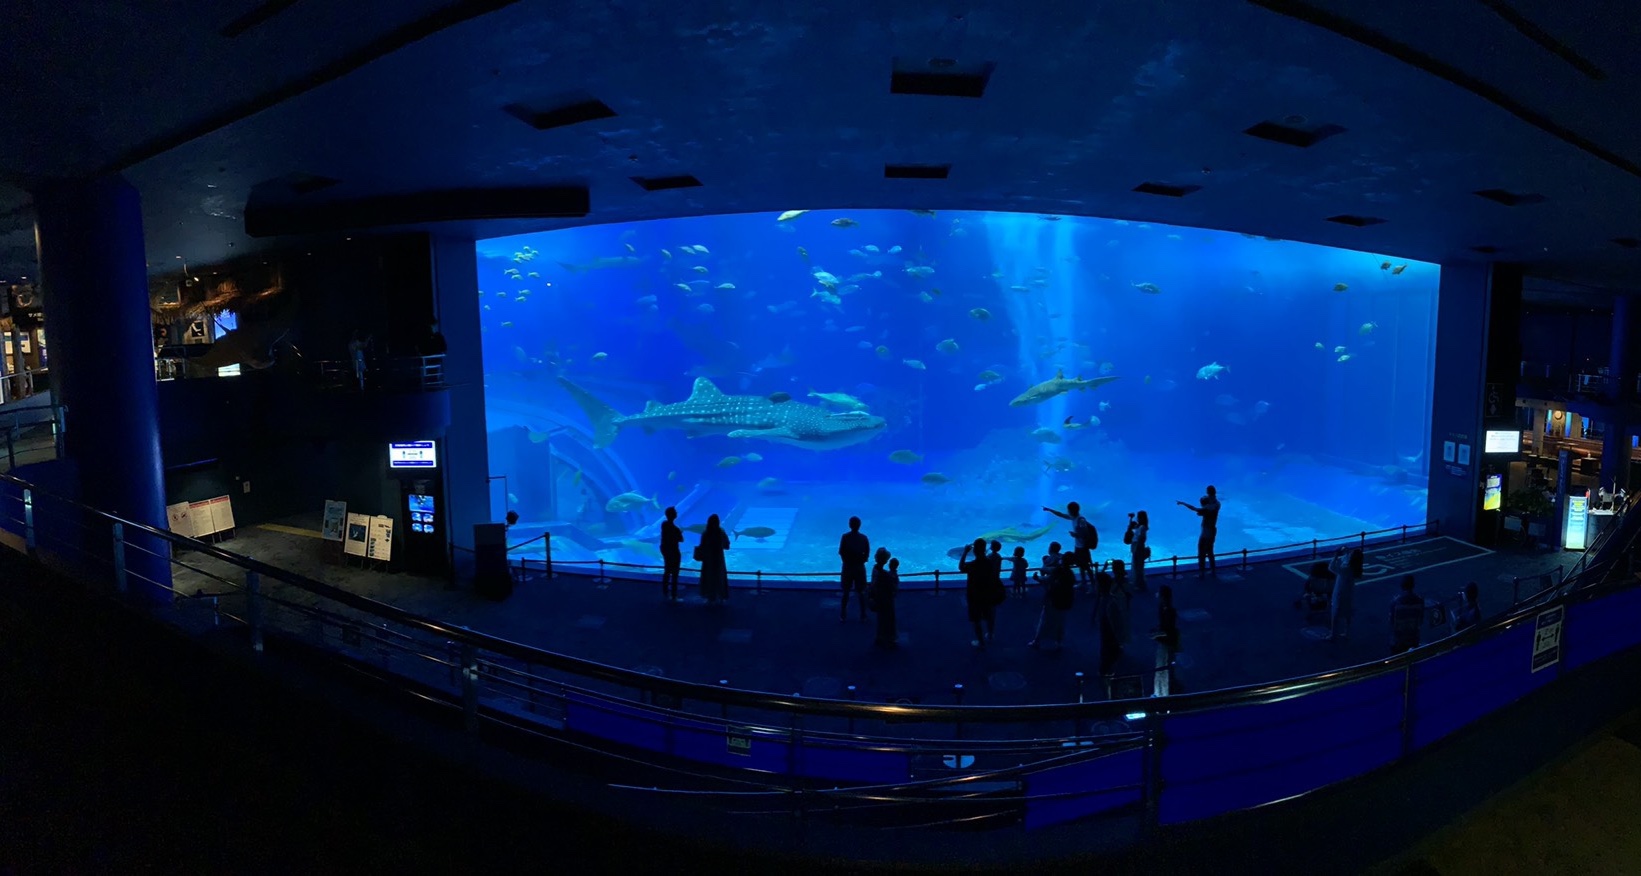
1128, 534
1086, 533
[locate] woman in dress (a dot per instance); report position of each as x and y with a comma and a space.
710, 554
1345, 575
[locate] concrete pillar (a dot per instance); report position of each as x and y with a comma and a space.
1621, 362
1615, 456
467, 446
1462, 311
94, 278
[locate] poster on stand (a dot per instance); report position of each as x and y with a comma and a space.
336, 514
179, 520
380, 546
357, 531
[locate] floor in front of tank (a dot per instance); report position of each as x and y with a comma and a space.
1238, 628
1574, 815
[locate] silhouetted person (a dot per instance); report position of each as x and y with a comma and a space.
1110, 634
1019, 565
672, 554
434, 344
1342, 606
714, 569
1167, 633
1139, 532
1208, 510
996, 560
356, 352
980, 591
1059, 594
855, 549
885, 587
512, 518
1469, 613
1084, 539
1406, 616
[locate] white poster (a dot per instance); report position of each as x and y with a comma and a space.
336, 514
208, 517
358, 532
179, 519
380, 546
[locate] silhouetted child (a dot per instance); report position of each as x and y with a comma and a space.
1018, 578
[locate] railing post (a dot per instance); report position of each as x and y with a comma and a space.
1364, 539
547, 541
1152, 775
253, 608
28, 519
602, 579
937, 582
470, 687
1407, 710
1244, 559
119, 557
957, 691
1316, 548
1173, 566
759, 575
1404, 532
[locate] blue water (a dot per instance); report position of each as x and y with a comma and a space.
1302, 440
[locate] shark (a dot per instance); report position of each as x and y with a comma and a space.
711, 411
1059, 384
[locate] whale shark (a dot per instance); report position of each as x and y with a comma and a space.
711, 411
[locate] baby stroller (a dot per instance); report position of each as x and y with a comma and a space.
1318, 593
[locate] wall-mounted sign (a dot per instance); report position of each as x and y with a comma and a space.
1547, 638
1502, 441
1464, 454
1449, 449
336, 514
738, 741
412, 454
1493, 494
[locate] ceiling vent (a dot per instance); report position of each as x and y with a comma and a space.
940, 77
560, 113
662, 183
1509, 199
1356, 221
307, 183
1484, 250
1294, 131
916, 171
1166, 190
1627, 242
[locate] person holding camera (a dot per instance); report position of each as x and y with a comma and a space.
1139, 528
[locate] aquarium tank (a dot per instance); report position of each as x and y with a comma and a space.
947, 376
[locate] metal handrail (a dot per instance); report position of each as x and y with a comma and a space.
1243, 555
1262, 692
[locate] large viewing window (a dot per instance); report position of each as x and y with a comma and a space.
945, 377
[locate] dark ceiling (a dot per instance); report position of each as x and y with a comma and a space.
775, 106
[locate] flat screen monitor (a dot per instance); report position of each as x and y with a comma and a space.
1492, 496
421, 504
412, 454
1499, 441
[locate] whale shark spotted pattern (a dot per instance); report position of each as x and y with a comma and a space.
710, 411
